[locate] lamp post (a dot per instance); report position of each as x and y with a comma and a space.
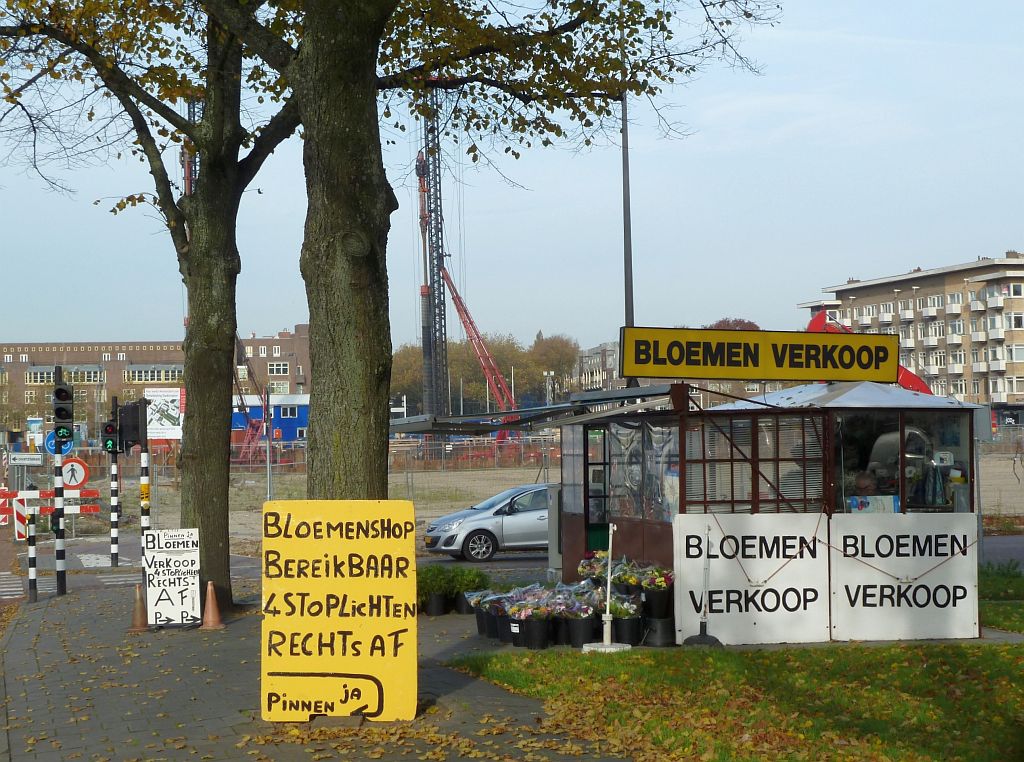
549, 382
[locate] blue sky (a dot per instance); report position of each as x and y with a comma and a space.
879, 137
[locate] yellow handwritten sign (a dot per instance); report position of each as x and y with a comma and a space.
339, 610
758, 355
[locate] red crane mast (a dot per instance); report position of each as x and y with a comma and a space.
495, 380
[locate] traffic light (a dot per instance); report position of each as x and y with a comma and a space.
109, 437
128, 418
63, 413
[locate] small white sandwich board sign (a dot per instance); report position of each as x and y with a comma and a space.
171, 562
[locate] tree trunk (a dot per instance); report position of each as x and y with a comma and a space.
210, 267
209, 359
343, 260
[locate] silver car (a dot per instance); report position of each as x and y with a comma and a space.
516, 519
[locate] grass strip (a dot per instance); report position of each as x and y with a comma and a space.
904, 702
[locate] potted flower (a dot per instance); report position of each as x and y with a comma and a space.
534, 620
465, 584
578, 617
433, 589
657, 592
627, 625
626, 578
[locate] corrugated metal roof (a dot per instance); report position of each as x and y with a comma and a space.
846, 394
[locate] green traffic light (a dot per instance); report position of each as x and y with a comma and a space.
62, 432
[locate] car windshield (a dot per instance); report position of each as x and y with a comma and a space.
498, 499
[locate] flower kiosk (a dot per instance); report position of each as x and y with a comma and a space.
840, 510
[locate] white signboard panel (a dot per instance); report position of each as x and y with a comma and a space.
26, 458
171, 560
904, 576
768, 578
164, 412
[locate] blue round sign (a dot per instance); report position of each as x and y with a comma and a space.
50, 443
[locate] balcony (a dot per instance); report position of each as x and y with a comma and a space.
930, 341
996, 334
930, 312
845, 322
931, 370
953, 309
906, 315
979, 336
955, 369
997, 366
864, 322
906, 342
979, 367
954, 339
885, 317
994, 302
997, 396
977, 306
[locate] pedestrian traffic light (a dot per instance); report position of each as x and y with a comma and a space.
63, 413
109, 438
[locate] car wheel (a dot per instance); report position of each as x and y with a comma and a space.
479, 546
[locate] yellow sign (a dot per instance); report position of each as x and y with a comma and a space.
339, 610
758, 355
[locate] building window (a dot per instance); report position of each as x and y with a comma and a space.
975, 355
277, 368
922, 330
39, 377
298, 370
263, 351
22, 358
81, 395
276, 352
85, 377
1017, 289
120, 356
956, 357
956, 327
243, 372
1015, 320
1015, 352
8, 358
905, 305
277, 387
300, 433
30, 397
921, 302
937, 300
105, 357
975, 386
289, 411
248, 351
957, 386
954, 298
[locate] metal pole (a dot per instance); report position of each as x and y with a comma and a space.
114, 490
30, 513
60, 562
269, 428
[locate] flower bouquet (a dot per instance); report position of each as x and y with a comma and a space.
627, 625
594, 564
657, 592
624, 607
626, 576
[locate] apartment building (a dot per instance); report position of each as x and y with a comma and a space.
101, 370
961, 327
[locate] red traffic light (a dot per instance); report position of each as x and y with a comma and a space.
109, 429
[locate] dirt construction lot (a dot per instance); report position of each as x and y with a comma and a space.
433, 493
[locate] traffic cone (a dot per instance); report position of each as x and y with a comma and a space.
211, 614
139, 623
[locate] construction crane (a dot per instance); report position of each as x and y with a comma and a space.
436, 280
432, 297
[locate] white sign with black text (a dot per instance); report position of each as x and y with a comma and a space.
171, 561
904, 576
768, 580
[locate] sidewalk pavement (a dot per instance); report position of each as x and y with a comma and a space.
79, 686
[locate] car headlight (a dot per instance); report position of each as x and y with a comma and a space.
450, 525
